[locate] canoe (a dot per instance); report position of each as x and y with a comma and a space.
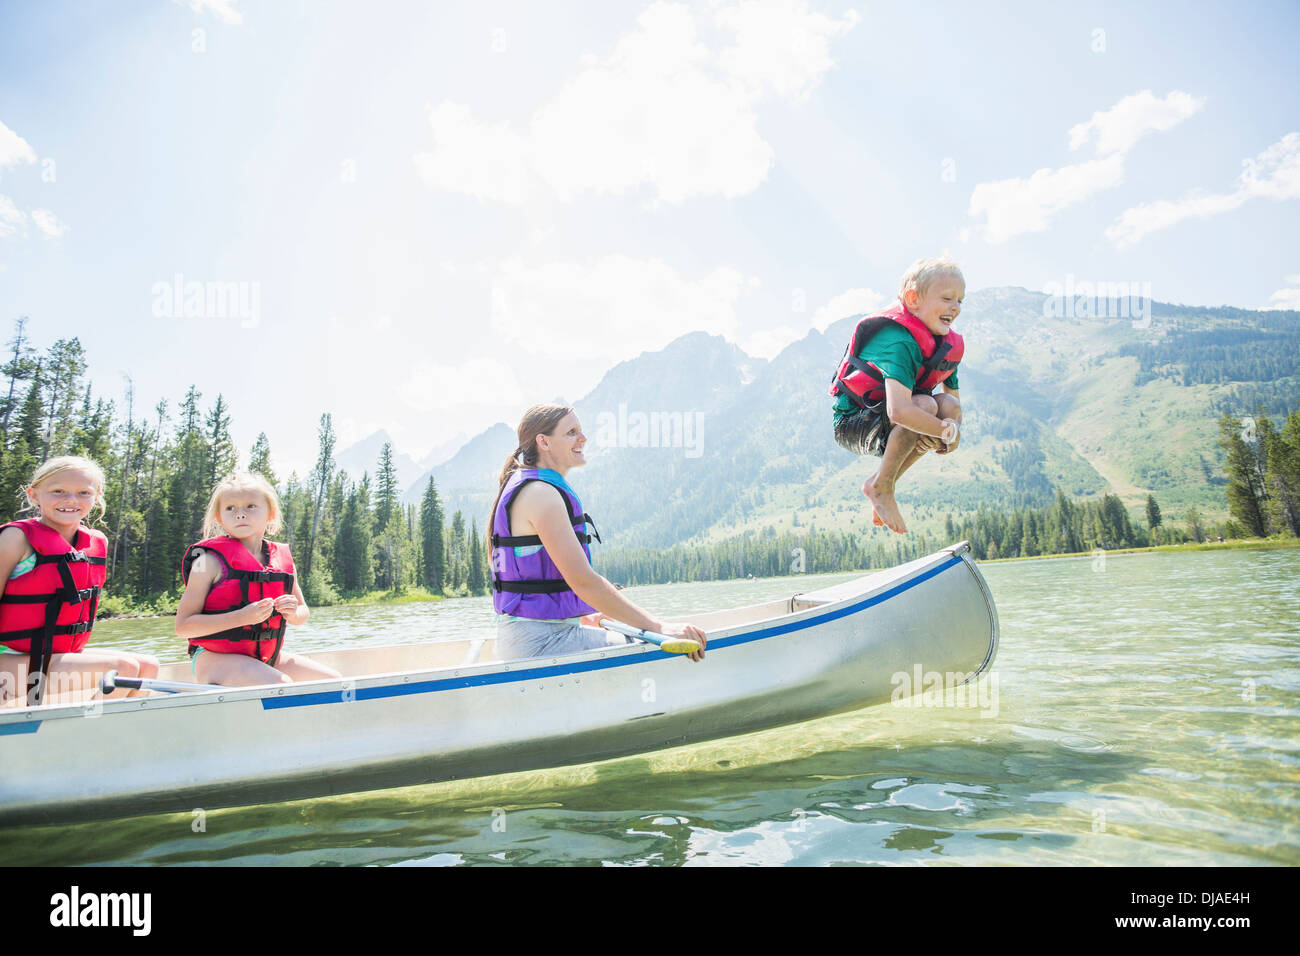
425, 713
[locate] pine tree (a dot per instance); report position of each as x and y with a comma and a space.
65, 365
222, 456
19, 466
153, 509
1246, 489
320, 478
32, 413
433, 556
456, 552
1282, 478
353, 568
19, 368
1153, 513
477, 583
259, 459
189, 487
386, 491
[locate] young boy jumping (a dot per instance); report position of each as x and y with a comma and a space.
886, 377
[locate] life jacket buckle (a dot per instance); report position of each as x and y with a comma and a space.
77, 556
85, 594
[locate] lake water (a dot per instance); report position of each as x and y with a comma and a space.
1147, 712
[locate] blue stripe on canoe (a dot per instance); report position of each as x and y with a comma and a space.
27, 727
555, 670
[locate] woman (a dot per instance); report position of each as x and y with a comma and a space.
548, 598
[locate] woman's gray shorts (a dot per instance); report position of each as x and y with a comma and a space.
520, 637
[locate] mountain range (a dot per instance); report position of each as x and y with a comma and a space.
701, 442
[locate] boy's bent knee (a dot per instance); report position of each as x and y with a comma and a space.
926, 403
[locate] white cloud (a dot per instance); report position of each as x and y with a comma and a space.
13, 221
470, 157
1120, 127
768, 343
779, 45
1288, 298
49, 223
850, 302
223, 10
1013, 207
1273, 174
14, 149
433, 387
635, 304
662, 110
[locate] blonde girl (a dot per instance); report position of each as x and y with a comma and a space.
52, 570
241, 591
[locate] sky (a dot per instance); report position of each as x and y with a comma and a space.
424, 217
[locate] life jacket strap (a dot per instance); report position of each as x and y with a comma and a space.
529, 587
75, 596
259, 577
42, 639
76, 557
532, 540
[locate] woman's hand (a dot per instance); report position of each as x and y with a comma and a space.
286, 604
688, 631
593, 619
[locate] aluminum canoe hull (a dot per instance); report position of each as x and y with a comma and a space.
811, 655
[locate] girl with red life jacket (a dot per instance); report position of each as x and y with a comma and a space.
892, 364
52, 570
548, 598
241, 591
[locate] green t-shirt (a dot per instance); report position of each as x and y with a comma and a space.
896, 354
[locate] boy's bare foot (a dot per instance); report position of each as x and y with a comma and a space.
875, 516
884, 506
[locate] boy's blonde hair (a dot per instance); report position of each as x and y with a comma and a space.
241, 481
56, 466
923, 273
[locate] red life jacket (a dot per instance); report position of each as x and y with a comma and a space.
51, 608
865, 384
246, 581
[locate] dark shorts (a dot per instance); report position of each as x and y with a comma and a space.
865, 431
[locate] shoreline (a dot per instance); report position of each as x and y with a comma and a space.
1233, 544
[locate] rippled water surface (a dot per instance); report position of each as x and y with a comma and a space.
1142, 710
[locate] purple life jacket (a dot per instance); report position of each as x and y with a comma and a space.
531, 585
